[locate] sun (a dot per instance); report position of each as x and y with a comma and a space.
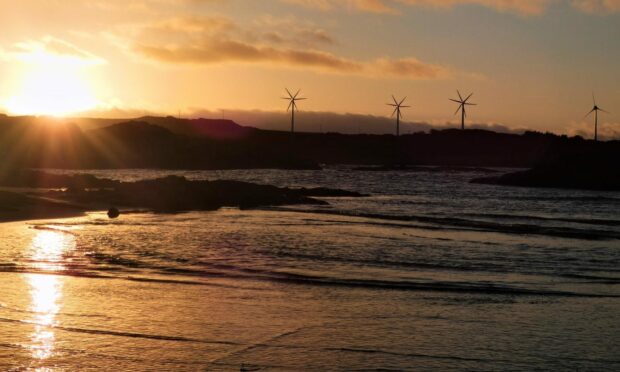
52, 86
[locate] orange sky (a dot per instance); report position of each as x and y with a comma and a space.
531, 63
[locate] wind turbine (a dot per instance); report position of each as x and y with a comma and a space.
595, 109
292, 106
462, 103
397, 106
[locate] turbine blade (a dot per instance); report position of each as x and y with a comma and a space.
607, 112
289, 93
401, 102
395, 111
300, 99
458, 109
290, 104
468, 97
459, 93
405, 106
471, 104
453, 100
593, 99
391, 104
394, 98
296, 94
588, 114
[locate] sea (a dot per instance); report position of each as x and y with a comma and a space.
428, 273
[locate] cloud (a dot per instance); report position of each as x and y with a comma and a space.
210, 40
49, 49
409, 68
291, 31
319, 121
597, 6
219, 51
372, 6
606, 131
522, 7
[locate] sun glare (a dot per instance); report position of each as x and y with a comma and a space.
52, 87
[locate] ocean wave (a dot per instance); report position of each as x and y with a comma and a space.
27, 311
252, 274
596, 199
441, 223
585, 221
120, 333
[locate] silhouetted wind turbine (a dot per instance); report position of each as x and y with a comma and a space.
292, 106
462, 103
595, 109
397, 106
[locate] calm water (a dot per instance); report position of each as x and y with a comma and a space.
429, 273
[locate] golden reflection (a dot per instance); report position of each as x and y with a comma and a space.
48, 248
46, 293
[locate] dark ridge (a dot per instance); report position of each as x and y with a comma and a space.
172, 143
201, 128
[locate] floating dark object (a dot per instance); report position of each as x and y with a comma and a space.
113, 212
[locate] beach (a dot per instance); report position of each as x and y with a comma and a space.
405, 279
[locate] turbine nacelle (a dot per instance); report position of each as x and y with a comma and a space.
293, 98
463, 102
292, 105
398, 105
595, 110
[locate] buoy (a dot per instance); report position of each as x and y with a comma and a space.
113, 212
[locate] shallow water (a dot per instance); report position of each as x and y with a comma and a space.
430, 272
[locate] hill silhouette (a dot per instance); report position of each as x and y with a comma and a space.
201, 128
167, 142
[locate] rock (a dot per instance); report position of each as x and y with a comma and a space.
176, 194
113, 212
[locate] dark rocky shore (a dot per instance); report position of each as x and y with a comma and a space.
169, 194
588, 170
553, 177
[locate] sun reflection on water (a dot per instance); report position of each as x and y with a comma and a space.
48, 248
46, 293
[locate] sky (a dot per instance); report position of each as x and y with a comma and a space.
530, 63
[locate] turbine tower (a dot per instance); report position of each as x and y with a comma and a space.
397, 106
595, 109
292, 106
462, 103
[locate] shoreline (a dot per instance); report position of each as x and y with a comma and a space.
16, 207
